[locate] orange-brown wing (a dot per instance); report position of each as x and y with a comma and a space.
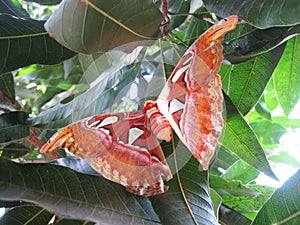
121, 147
192, 97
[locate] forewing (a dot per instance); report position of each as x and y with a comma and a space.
192, 98
121, 147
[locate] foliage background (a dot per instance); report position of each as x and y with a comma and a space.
46, 84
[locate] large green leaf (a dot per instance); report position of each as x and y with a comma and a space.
262, 14
91, 26
286, 76
72, 194
24, 41
13, 126
33, 215
240, 139
284, 205
245, 82
188, 199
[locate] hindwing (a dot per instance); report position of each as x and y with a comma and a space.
121, 147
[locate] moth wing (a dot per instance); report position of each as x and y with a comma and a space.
121, 147
192, 98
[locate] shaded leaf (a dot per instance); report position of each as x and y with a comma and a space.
262, 14
286, 76
73, 222
37, 46
7, 86
284, 205
73, 194
229, 216
13, 8
14, 150
253, 42
106, 24
33, 215
178, 7
45, 2
13, 126
241, 140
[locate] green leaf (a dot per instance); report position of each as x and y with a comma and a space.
286, 76
284, 157
240, 171
101, 25
73, 222
33, 215
217, 201
262, 14
13, 126
45, 2
229, 216
245, 82
262, 109
188, 199
268, 132
7, 86
245, 203
14, 150
178, 7
13, 8
72, 194
284, 205
37, 46
241, 140
231, 188
103, 93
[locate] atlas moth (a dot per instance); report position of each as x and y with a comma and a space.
124, 146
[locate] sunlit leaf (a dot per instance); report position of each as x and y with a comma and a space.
284, 205
240, 171
245, 82
240, 139
245, 203
286, 76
